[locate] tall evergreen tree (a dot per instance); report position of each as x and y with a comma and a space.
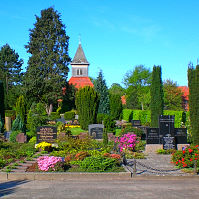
10, 74
101, 88
157, 103
2, 108
47, 69
86, 102
193, 83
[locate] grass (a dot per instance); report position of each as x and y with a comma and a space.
77, 131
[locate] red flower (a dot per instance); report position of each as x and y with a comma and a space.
191, 159
182, 159
177, 162
190, 150
183, 152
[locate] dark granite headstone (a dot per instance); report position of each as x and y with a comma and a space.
152, 136
181, 135
166, 126
136, 122
21, 138
46, 134
169, 143
96, 130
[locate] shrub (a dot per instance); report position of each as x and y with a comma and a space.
20, 108
13, 136
100, 117
127, 114
45, 146
54, 116
18, 124
70, 115
186, 157
127, 141
109, 123
97, 164
10, 113
33, 140
81, 155
129, 128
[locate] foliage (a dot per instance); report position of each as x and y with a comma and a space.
20, 108
115, 106
137, 131
36, 117
97, 164
87, 105
45, 146
10, 74
2, 107
10, 113
127, 114
109, 123
54, 116
143, 115
193, 83
105, 137
137, 84
47, 69
81, 155
116, 89
13, 135
102, 90
178, 117
100, 117
186, 157
33, 140
70, 115
18, 124
168, 151
157, 103
172, 96
127, 141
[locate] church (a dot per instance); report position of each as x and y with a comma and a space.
80, 66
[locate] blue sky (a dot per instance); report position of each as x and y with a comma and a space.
116, 35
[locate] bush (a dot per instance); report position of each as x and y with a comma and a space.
129, 128
186, 157
70, 115
10, 113
54, 116
33, 140
13, 136
143, 115
100, 117
109, 123
127, 114
179, 117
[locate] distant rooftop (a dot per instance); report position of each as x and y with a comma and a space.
80, 57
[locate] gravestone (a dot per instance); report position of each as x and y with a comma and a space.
181, 135
96, 130
21, 138
169, 143
46, 134
152, 136
136, 123
7, 135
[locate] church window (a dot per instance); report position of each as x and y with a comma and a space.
79, 71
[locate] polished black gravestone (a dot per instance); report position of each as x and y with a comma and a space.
96, 130
180, 135
46, 134
152, 136
169, 143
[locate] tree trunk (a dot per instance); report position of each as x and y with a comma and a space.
49, 109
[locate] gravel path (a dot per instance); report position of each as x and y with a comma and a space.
156, 164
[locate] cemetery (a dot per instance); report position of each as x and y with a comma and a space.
49, 124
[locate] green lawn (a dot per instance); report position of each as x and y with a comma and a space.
77, 131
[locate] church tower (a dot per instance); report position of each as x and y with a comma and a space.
80, 69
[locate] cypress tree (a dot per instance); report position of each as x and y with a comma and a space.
157, 103
101, 88
86, 102
20, 108
2, 108
193, 83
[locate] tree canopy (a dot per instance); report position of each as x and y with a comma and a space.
47, 69
137, 84
117, 89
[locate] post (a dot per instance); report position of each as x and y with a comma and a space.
195, 167
134, 168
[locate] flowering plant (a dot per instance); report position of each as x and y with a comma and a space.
48, 163
127, 141
186, 157
44, 146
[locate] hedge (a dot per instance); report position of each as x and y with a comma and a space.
145, 116
69, 115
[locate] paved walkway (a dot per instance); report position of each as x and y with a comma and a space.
157, 164
147, 187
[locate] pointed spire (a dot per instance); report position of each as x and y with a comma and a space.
79, 57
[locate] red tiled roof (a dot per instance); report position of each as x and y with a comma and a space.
80, 82
185, 91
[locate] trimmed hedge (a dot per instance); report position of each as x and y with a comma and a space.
145, 116
69, 115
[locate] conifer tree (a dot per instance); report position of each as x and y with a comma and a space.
47, 69
157, 103
2, 108
20, 108
102, 90
86, 102
193, 83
